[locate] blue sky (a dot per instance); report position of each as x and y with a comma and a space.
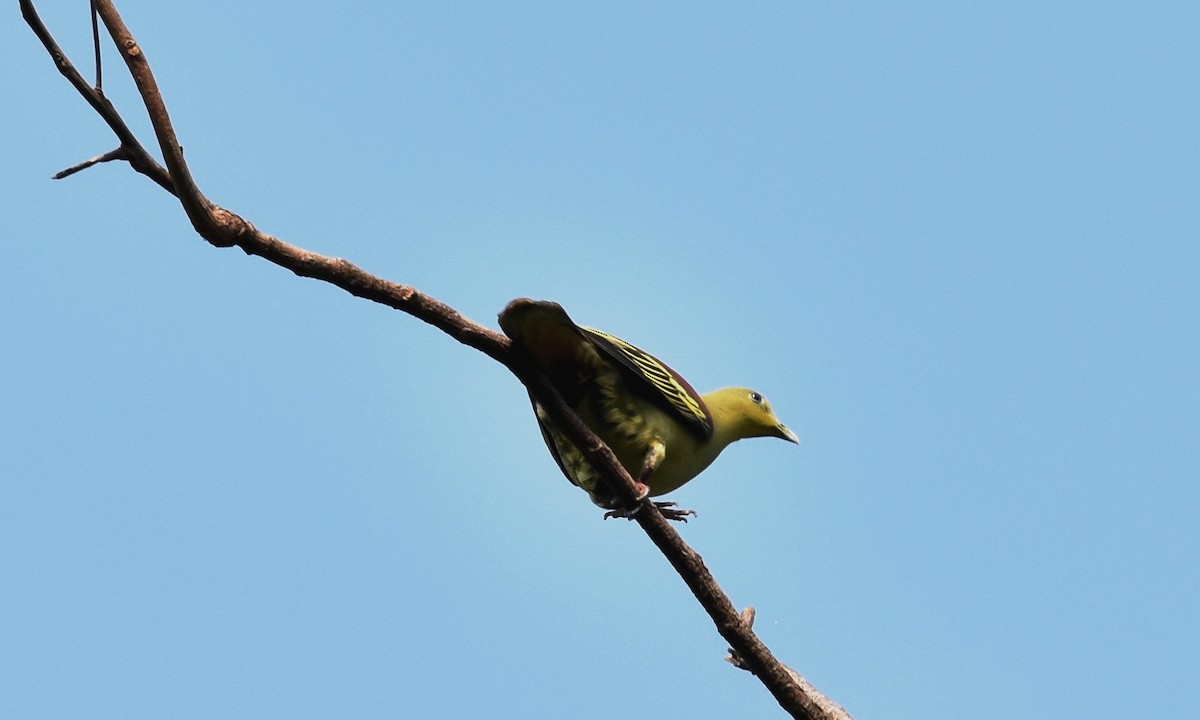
955, 244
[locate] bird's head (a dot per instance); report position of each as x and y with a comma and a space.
743, 413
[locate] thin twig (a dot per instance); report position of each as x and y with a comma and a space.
96, 47
117, 154
224, 228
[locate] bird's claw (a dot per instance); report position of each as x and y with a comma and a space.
671, 512
668, 510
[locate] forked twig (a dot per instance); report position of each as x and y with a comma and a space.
136, 155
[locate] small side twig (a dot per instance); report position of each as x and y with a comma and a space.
117, 154
96, 47
828, 707
734, 658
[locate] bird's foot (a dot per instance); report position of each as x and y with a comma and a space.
671, 512
668, 510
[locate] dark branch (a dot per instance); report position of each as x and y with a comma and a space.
224, 228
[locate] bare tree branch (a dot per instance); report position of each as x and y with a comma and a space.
223, 228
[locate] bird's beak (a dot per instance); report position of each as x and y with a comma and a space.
785, 433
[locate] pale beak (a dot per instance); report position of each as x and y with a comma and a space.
787, 434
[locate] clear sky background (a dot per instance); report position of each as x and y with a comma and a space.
956, 244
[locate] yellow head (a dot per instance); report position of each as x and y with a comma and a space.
743, 413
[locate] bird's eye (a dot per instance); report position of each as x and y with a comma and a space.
756, 398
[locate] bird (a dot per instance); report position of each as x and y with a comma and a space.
661, 430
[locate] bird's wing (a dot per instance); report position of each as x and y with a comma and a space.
553, 340
658, 378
